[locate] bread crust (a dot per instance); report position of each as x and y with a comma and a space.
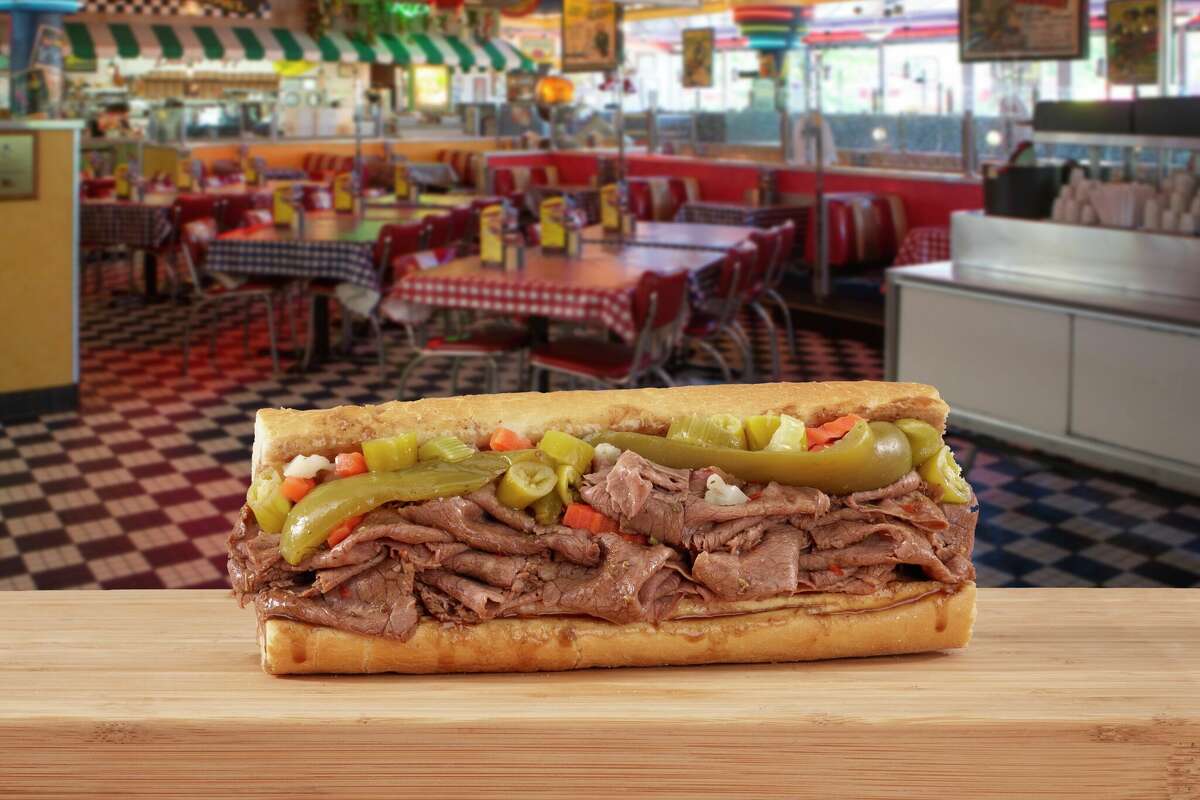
281, 434
818, 626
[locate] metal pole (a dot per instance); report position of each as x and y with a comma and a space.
821, 287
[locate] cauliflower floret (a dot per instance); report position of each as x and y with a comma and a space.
721, 493
605, 456
306, 466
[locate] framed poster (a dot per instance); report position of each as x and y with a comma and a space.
591, 35
1022, 30
18, 165
698, 58
1132, 40
522, 87
431, 87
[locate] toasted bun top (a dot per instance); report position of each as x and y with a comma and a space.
281, 434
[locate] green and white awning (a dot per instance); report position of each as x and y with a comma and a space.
180, 41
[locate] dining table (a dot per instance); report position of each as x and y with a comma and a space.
585, 196
145, 224
682, 235
595, 288
332, 247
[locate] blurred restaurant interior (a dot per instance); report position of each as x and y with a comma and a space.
212, 206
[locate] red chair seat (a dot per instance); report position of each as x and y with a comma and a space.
216, 288
586, 356
701, 325
484, 341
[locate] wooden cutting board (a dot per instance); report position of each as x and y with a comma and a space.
1065, 693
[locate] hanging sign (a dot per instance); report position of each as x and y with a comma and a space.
1132, 38
698, 58
591, 35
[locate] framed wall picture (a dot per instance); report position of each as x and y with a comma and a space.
698, 58
1132, 40
18, 165
1022, 30
431, 87
591, 35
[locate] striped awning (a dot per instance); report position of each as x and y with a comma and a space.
90, 40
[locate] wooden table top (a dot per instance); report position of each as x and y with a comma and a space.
164, 199
600, 266
327, 226
677, 234
1064, 693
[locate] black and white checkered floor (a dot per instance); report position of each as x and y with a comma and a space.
139, 488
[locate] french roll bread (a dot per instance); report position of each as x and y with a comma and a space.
304, 628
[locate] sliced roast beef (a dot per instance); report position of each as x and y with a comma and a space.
851, 580
775, 500
576, 546
888, 543
699, 480
716, 537
482, 599
464, 520
655, 513
485, 498
327, 580
909, 483
501, 571
766, 571
378, 601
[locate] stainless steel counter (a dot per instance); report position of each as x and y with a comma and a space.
1141, 306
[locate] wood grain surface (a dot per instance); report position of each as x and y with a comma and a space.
1064, 693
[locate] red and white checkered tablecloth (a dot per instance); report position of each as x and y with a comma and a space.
924, 246
612, 308
138, 225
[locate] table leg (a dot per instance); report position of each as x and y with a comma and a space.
320, 321
539, 333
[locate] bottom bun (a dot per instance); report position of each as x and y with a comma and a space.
937, 620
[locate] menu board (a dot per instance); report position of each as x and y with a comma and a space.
1022, 30
18, 166
431, 87
591, 35
1132, 38
698, 58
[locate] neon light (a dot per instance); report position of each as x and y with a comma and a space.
410, 10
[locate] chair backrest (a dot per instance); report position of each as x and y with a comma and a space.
783, 253
503, 182
659, 304
767, 242
460, 223
253, 217
438, 229
398, 240
194, 237
190, 207
640, 202
317, 198
234, 209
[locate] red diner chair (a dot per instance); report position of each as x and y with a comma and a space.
438, 230
194, 239
257, 217
460, 224
659, 303
768, 243
233, 210
774, 280
97, 188
718, 316
640, 202
317, 198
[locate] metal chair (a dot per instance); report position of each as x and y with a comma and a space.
768, 242
659, 305
719, 318
774, 280
195, 238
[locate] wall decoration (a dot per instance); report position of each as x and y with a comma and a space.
18, 165
698, 46
1022, 30
1132, 39
591, 35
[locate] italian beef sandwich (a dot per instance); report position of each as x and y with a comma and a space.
642, 527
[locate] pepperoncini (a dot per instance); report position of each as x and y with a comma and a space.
716, 430
525, 482
391, 453
567, 480
564, 448
265, 498
444, 448
310, 521
548, 509
944, 472
759, 430
872, 455
924, 438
